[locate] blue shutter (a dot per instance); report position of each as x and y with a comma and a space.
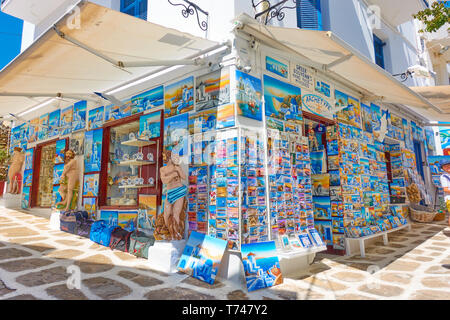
309, 15
135, 8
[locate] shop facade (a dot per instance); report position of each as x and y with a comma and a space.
265, 147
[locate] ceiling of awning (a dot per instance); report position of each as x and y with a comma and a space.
326, 51
53, 64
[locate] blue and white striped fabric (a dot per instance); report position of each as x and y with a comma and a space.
177, 193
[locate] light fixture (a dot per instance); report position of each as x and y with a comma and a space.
41, 105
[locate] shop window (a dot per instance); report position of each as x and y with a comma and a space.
379, 53
135, 8
132, 166
309, 14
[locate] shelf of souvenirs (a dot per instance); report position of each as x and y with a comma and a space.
138, 142
135, 163
136, 186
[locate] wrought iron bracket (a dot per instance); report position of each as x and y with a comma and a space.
273, 11
403, 76
189, 9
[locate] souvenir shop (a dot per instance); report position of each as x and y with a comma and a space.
265, 154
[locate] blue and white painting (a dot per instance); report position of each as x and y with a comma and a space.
176, 134
249, 96
53, 123
202, 256
111, 217
57, 172
150, 125
93, 150
66, 120
282, 100
148, 100
261, 265
79, 116
95, 119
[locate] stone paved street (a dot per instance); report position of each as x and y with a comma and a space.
34, 261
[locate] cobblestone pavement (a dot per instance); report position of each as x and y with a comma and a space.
34, 261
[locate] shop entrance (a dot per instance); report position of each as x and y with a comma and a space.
325, 181
42, 187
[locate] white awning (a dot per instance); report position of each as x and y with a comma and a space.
438, 95
108, 49
325, 51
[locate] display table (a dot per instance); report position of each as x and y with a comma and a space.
294, 262
361, 240
13, 201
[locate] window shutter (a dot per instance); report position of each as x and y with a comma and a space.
309, 15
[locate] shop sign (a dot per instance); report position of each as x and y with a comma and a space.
280, 68
317, 105
302, 76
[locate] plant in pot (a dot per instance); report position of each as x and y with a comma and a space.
4, 158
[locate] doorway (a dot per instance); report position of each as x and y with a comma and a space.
42, 187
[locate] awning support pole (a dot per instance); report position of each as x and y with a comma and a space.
337, 62
129, 64
48, 95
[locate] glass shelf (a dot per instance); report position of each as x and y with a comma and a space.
135, 163
138, 143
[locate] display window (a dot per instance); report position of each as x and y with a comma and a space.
43, 181
131, 149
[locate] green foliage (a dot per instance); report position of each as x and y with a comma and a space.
434, 17
4, 158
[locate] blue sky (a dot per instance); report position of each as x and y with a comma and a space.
10, 38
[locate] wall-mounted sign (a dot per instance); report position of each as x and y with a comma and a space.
280, 67
317, 105
302, 76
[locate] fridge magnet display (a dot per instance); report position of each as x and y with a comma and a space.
179, 97
66, 120
249, 96
261, 265
53, 123
111, 217
282, 100
278, 67
95, 119
79, 116
212, 90
148, 100
175, 134
93, 150
90, 185
202, 256
150, 126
